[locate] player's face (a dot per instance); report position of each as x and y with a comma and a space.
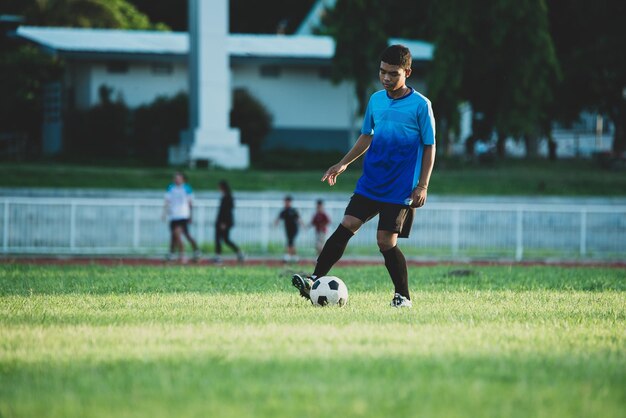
178, 179
392, 77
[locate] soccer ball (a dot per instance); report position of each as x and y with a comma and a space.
329, 290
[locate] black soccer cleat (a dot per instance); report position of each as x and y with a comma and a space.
303, 284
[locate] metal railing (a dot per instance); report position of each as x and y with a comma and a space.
440, 230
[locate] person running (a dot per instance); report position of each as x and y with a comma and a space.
291, 219
178, 208
320, 222
398, 134
224, 223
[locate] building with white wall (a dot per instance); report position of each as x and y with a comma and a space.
289, 74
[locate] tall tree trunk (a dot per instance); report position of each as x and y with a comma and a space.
501, 145
531, 143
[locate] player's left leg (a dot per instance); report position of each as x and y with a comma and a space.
391, 222
396, 266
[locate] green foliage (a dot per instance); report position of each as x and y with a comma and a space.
157, 342
358, 27
112, 130
252, 119
102, 131
25, 71
158, 125
114, 14
490, 54
590, 40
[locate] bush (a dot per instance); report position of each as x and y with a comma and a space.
101, 131
110, 129
158, 125
252, 119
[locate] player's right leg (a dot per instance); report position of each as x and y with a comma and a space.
303, 283
330, 254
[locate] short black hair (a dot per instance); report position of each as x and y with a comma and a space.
320, 202
397, 55
288, 198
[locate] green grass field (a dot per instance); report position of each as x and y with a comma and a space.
450, 177
238, 342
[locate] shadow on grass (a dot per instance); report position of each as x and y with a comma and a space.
412, 385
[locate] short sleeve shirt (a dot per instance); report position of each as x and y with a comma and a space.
290, 216
178, 201
400, 128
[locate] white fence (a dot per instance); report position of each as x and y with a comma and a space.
440, 230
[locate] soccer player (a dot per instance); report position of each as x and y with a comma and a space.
291, 218
320, 222
224, 223
398, 134
178, 208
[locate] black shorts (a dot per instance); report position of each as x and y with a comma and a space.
291, 235
182, 223
392, 216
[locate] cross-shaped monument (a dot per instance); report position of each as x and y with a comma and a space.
210, 137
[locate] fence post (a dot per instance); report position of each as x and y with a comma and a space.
135, 226
265, 226
519, 247
583, 232
72, 225
456, 225
5, 228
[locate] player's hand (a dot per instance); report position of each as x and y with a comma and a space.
418, 197
190, 221
331, 174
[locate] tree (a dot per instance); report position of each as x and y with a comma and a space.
590, 42
118, 14
252, 119
358, 27
26, 70
498, 55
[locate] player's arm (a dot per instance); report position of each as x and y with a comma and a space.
359, 148
421, 190
426, 121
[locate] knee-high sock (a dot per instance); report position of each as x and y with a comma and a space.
396, 266
332, 251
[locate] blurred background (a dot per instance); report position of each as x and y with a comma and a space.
529, 98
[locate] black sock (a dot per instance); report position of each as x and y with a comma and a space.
332, 251
396, 266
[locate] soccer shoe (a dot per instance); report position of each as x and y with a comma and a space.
400, 301
303, 284
196, 256
241, 257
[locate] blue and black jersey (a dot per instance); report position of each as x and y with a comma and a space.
401, 127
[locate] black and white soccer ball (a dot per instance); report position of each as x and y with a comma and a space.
329, 290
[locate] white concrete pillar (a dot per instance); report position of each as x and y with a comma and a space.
209, 136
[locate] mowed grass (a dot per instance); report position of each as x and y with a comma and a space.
450, 177
239, 342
